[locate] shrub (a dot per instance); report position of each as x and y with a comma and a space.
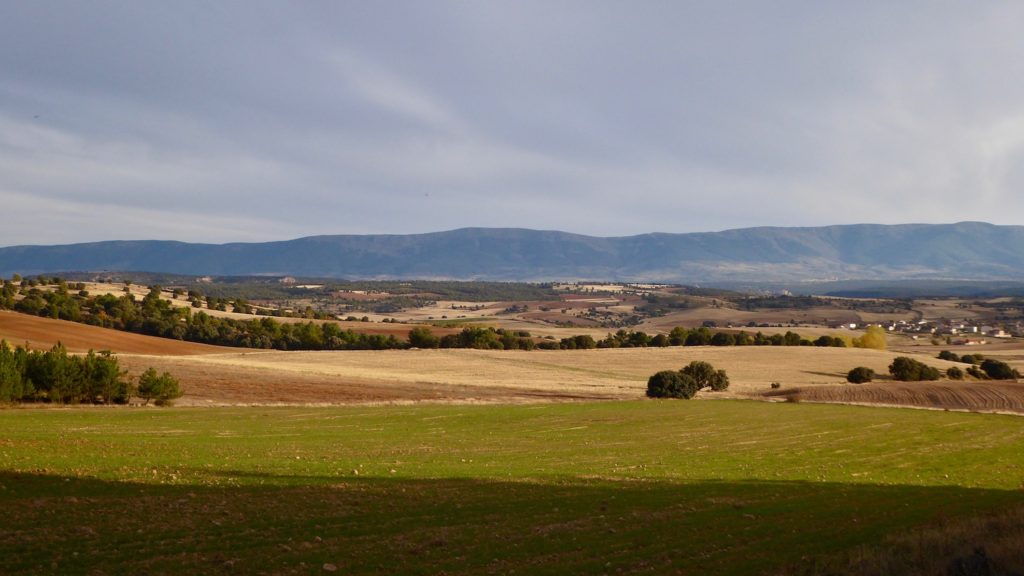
776, 385
162, 389
860, 375
972, 358
947, 355
955, 373
671, 384
998, 370
975, 372
909, 370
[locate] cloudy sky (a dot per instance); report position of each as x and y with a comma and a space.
243, 121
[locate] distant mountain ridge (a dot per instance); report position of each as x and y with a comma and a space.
966, 250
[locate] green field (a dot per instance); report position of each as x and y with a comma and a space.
697, 487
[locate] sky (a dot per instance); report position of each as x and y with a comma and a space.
253, 121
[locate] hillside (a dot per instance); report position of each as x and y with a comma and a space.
42, 333
967, 250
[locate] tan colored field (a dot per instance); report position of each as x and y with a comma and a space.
213, 375
461, 309
493, 376
934, 310
43, 333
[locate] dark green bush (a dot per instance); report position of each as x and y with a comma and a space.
671, 384
976, 372
947, 355
907, 369
998, 370
162, 389
860, 375
972, 358
955, 373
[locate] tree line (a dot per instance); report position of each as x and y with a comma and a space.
57, 377
907, 369
704, 336
156, 316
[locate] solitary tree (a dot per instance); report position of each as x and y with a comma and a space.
860, 375
162, 389
671, 384
874, 338
909, 370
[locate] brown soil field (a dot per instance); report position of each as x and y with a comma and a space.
1001, 396
43, 333
559, 317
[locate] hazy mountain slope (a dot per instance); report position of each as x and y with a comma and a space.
964, 250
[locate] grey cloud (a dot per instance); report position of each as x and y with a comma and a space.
266, 120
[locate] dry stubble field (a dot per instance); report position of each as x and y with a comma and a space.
214, 375
478, 376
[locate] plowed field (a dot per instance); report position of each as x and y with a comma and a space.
986, 396
43, 333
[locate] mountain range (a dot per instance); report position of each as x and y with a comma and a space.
966, 250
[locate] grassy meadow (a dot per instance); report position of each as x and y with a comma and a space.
700, 487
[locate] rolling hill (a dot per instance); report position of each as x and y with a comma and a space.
42, 333
967, 250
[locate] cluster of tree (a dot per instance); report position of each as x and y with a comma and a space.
474, 337
58, 377
966, 358
954, 357
907, 369
998, 370
686, 382
704, 336
981, 368
156, 316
